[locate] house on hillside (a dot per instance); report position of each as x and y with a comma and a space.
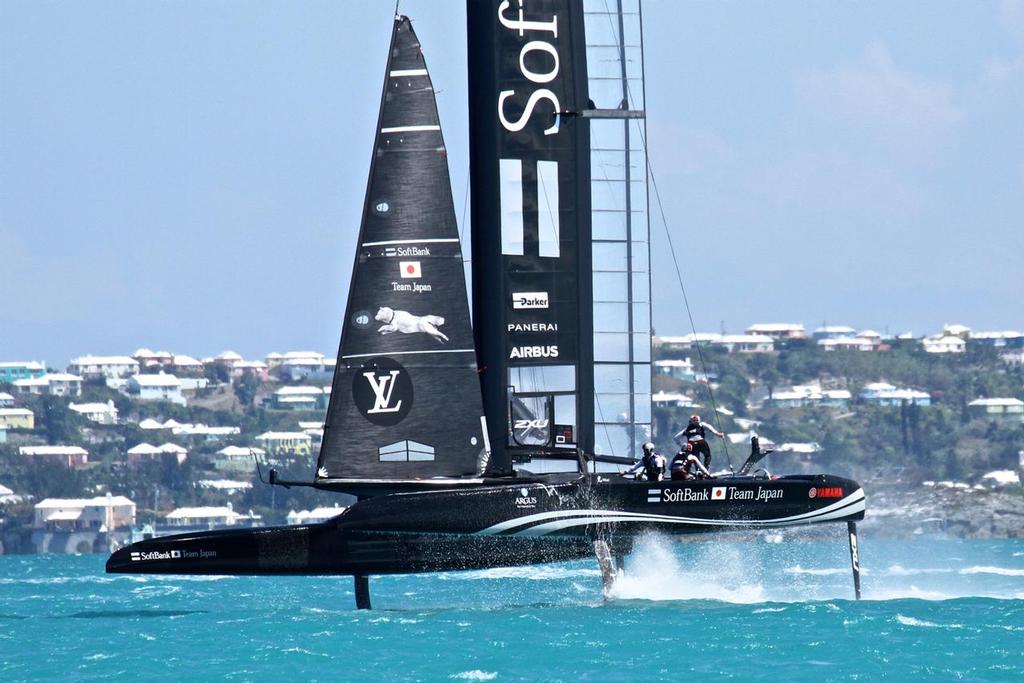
12, 371
1006, 409
68, 456
778, 331
946, 344
300, 398
802, 395
746, 343
84, 514
144, 452
847, 344
298, 366
100, 413
885, 394
51, 384
286, 443
161, 387
686, 341
104, 367
833, 332
314, 516
6, 400
237, 458
208, 517
677, 368
17, 418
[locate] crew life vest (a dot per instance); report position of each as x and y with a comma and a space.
694, 432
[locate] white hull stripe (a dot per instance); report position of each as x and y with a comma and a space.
397, 73
854, 502
409, 353
430, 241
408, 129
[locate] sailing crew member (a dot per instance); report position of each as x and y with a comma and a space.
652, 463
694, 434
686, 465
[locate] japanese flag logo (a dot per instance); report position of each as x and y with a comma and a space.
410, 269
717, 493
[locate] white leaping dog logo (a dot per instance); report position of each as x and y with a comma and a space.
407, 323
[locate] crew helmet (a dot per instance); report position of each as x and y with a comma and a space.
695, 418
648, 446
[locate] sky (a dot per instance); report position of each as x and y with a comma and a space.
189, 176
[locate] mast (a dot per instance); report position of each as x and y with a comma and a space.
559, 216
405, 400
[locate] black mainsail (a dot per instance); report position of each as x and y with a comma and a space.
405, 401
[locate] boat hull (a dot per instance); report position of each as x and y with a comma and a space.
498, 526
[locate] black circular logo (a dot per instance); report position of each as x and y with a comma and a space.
382, 391
362, 319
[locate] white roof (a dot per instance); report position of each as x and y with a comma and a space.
296, 399
4, 396
303, 354
4, 491
879, 386
274, 354
955, 329
224, 484
104, 360
183, 361
255, 364
306, 424
320, 513
976, 402
688, 338
15, 411
172, 448
812, 447
745, 339
240, 450
200, 512
869, 334
144, 449
150, 423
52, 450
1004, 334
667, 397
28, 365
835, 329
229, 355
92, 407
1002, 477
674, 363
161, 380
98, 501
774, 327
299, 391
273, 436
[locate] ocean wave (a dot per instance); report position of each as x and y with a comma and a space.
828, 571
1001, 571
475, 675
911, 621
531, 573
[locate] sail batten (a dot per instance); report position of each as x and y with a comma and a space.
407, 345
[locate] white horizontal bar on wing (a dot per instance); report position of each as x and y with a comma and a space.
407, 72
408, 129
428, 241
409, 353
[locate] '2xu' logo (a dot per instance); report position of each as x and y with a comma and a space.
382, 391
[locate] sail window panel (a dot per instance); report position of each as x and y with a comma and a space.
511, 197
603, 62
639, 256
607, 133
406, 451
638, 193
614, 439
642, 408
612, 408
642, 378
611, 347
565, 410
542, 378
608, 225
608, 164
530, 425
641, 284
611, 317
607, 195
601, 27
611, 378
642, 347
547, 209
606, 93
610, 287
610, 256
642, 317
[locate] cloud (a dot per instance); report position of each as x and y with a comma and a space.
876, 96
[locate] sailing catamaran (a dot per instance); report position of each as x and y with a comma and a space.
500, 443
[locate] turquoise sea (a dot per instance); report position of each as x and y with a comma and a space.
730, 609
